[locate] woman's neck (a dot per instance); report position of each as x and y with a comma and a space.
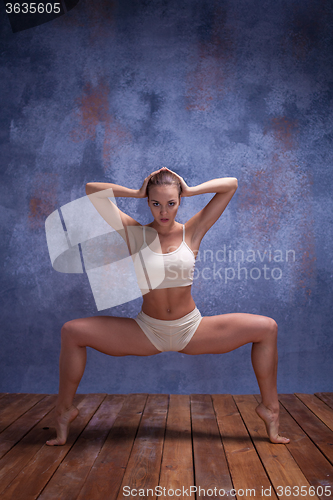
164, 230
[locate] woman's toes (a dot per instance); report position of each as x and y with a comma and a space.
271, 420
55, 442
62, 426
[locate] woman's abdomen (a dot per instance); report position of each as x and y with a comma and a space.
168, 303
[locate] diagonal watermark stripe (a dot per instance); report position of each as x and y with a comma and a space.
115, 275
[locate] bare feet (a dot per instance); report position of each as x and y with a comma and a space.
62, 426
271, 419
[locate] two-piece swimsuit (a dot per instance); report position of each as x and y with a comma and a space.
177, 269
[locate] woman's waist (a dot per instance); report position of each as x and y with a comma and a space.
168, 303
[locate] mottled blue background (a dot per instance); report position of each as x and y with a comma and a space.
115, 89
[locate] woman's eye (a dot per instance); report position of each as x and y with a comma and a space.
172, 203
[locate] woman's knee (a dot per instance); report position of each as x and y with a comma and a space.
272, 327
69, 330
267, 328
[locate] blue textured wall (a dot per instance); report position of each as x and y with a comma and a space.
113, 90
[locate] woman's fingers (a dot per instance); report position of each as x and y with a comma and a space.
156, 171
182, 182
142, 190
174, 173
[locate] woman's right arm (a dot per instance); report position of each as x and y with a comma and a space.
99, 192
107, 189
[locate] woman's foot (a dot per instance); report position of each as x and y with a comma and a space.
63, 421
271, 419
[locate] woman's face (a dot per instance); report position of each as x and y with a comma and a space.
163, 202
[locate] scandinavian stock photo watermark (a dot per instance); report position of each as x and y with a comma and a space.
124, 263
226, 264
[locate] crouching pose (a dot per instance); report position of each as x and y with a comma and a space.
169, 319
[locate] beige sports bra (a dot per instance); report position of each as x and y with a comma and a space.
164, 270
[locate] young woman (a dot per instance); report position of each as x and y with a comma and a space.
169, 319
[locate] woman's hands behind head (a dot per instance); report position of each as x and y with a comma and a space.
143, 188
184, 186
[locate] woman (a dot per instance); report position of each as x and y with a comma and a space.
168, 306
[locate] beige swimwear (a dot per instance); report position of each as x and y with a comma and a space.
169, 335
178, 267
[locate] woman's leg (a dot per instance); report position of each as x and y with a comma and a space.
226, 332
107, 334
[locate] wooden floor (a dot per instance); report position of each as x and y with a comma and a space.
134, 446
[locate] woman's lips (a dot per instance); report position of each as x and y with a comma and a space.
164, 220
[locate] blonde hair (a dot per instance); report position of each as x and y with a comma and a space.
164, 178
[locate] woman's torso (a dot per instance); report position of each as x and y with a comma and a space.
168, 303
176, 301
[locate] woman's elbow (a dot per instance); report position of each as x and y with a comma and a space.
234, 183
89, 188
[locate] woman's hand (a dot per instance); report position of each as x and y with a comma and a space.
185, 188
142, 193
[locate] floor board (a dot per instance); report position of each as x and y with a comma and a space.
166, 446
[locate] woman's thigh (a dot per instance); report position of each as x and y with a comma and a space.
226, 332
110, 335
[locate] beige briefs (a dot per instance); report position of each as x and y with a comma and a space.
169, 335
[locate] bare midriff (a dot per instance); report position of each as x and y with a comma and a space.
168, 303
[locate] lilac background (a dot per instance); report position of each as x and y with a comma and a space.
113, 90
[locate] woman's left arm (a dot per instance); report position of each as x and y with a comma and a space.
222, 185
224, 188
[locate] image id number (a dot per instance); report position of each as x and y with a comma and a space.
303, 491
33, 8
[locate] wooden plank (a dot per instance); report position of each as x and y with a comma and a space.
9, 399
71, 474
20, 427
319, 408
327, 397
280, 466
177, 461
315, 429
16, 459
210, 464
317, 470
22, 441
14, 405
143, 468
108, 470
33, 477
247, 472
